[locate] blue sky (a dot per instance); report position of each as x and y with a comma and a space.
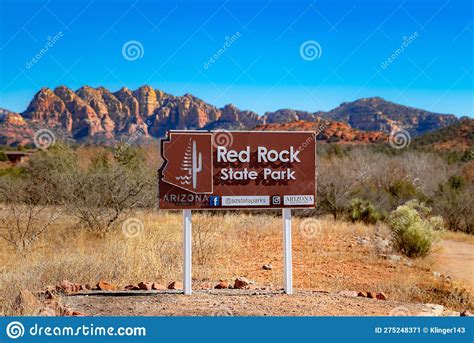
417, 53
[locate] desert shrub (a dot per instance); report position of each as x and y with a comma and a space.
27, 193
467, 156
363, 211
335, 185
24, 216
385, 180
456, 156
102, 196
14, 172
3, 156
414, 230
453, 201
456, 182
100, 161
131, 157
333, 150
400, 191
99, 191
205, 232
53, 168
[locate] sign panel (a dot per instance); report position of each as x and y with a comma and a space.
238, 169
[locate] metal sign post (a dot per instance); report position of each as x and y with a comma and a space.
187, 251
287, 253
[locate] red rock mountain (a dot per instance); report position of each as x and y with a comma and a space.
458, 136
377, 114
91, 112
14, 130
329, 131
98, 115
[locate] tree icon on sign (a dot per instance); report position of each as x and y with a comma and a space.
192, 165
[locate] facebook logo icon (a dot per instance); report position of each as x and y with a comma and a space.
214, 200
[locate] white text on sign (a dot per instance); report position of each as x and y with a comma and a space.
263, 155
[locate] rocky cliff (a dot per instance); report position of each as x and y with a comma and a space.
377, 114
98, 115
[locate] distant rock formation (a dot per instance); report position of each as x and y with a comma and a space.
98, 115
329, 131
377, 114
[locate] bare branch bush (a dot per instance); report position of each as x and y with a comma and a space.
105, 194
25, 214
454, 204
205, 232
335, 185
386, 181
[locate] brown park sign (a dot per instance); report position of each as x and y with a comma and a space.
238, 169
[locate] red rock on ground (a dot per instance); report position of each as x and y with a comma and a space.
362, 294
381, 296
66, 312
26, 302
371, 295
221, 285
175, 285
68, 287
132, 288
205, 285
241, 283
145, 286
105, 286
77, 314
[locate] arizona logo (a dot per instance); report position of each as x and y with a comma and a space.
188, 161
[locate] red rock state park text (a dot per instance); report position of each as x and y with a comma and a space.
262, 156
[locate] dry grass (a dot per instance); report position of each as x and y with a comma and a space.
458, 236
326, 257
155, 254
